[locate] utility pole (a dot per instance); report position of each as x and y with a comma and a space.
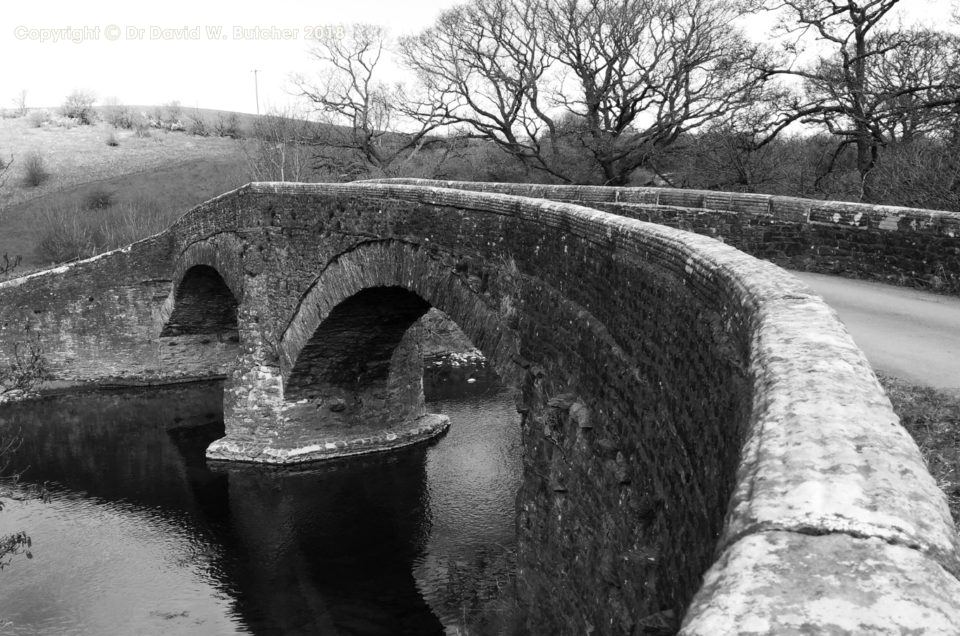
256, 89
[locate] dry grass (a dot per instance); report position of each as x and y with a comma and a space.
933, 419
175, 188
79, 155
173, 170
81, 231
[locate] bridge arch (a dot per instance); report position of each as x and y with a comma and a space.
381, 288
197, 326
350, 372
207, 290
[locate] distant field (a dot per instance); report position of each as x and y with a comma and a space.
174, 169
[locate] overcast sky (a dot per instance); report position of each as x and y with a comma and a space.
199, 53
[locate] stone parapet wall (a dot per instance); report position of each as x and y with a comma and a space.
903, 246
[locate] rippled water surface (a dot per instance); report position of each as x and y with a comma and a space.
141, 536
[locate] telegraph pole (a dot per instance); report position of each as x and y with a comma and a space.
256, 89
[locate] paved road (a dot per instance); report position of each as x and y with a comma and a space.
904, 332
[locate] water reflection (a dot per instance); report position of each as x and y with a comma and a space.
142, 536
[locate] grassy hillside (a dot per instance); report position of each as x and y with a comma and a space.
168, 171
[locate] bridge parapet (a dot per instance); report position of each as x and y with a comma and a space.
893, 244
702, 436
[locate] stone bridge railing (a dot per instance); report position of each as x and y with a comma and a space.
832, 524
903, 246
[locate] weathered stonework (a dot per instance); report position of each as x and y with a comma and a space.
901, 246
692, 416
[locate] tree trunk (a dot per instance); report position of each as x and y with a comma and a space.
866, 161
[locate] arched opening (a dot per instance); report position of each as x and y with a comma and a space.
203, 304
201, 337
353, 347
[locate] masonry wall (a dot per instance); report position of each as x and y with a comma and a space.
98, 320
901, 246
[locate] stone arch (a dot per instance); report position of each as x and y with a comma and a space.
355, 343
198, 326
203, 304
386, 286
207, 290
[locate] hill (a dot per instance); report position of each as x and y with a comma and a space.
169, 171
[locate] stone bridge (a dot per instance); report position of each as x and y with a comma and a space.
703, 442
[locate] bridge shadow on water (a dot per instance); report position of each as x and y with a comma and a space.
331, 549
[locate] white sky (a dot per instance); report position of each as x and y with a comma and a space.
209, 72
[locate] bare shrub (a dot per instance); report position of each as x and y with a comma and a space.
66, 235
64, 122
4, 170
278, 148
38, 118
28, 367
35, 169
198, 126
170, 115
20, 104
141, 125
8, 264
116, 114
79, 106
130, 222
72, 232
924, 173
25, 371
227, 125
98, 199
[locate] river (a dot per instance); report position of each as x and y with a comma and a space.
139, 535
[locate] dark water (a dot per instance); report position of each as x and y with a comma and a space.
142, 536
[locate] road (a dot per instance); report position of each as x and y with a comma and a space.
904, 332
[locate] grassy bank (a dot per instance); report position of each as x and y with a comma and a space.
154, 174
80, 154
933, 419
166, 192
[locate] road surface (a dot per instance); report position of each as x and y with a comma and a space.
904, 332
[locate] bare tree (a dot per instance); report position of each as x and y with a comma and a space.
20, 103
79, 105
868, 83
647, 72
615, 80
913, 83
367, 126
481, 67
